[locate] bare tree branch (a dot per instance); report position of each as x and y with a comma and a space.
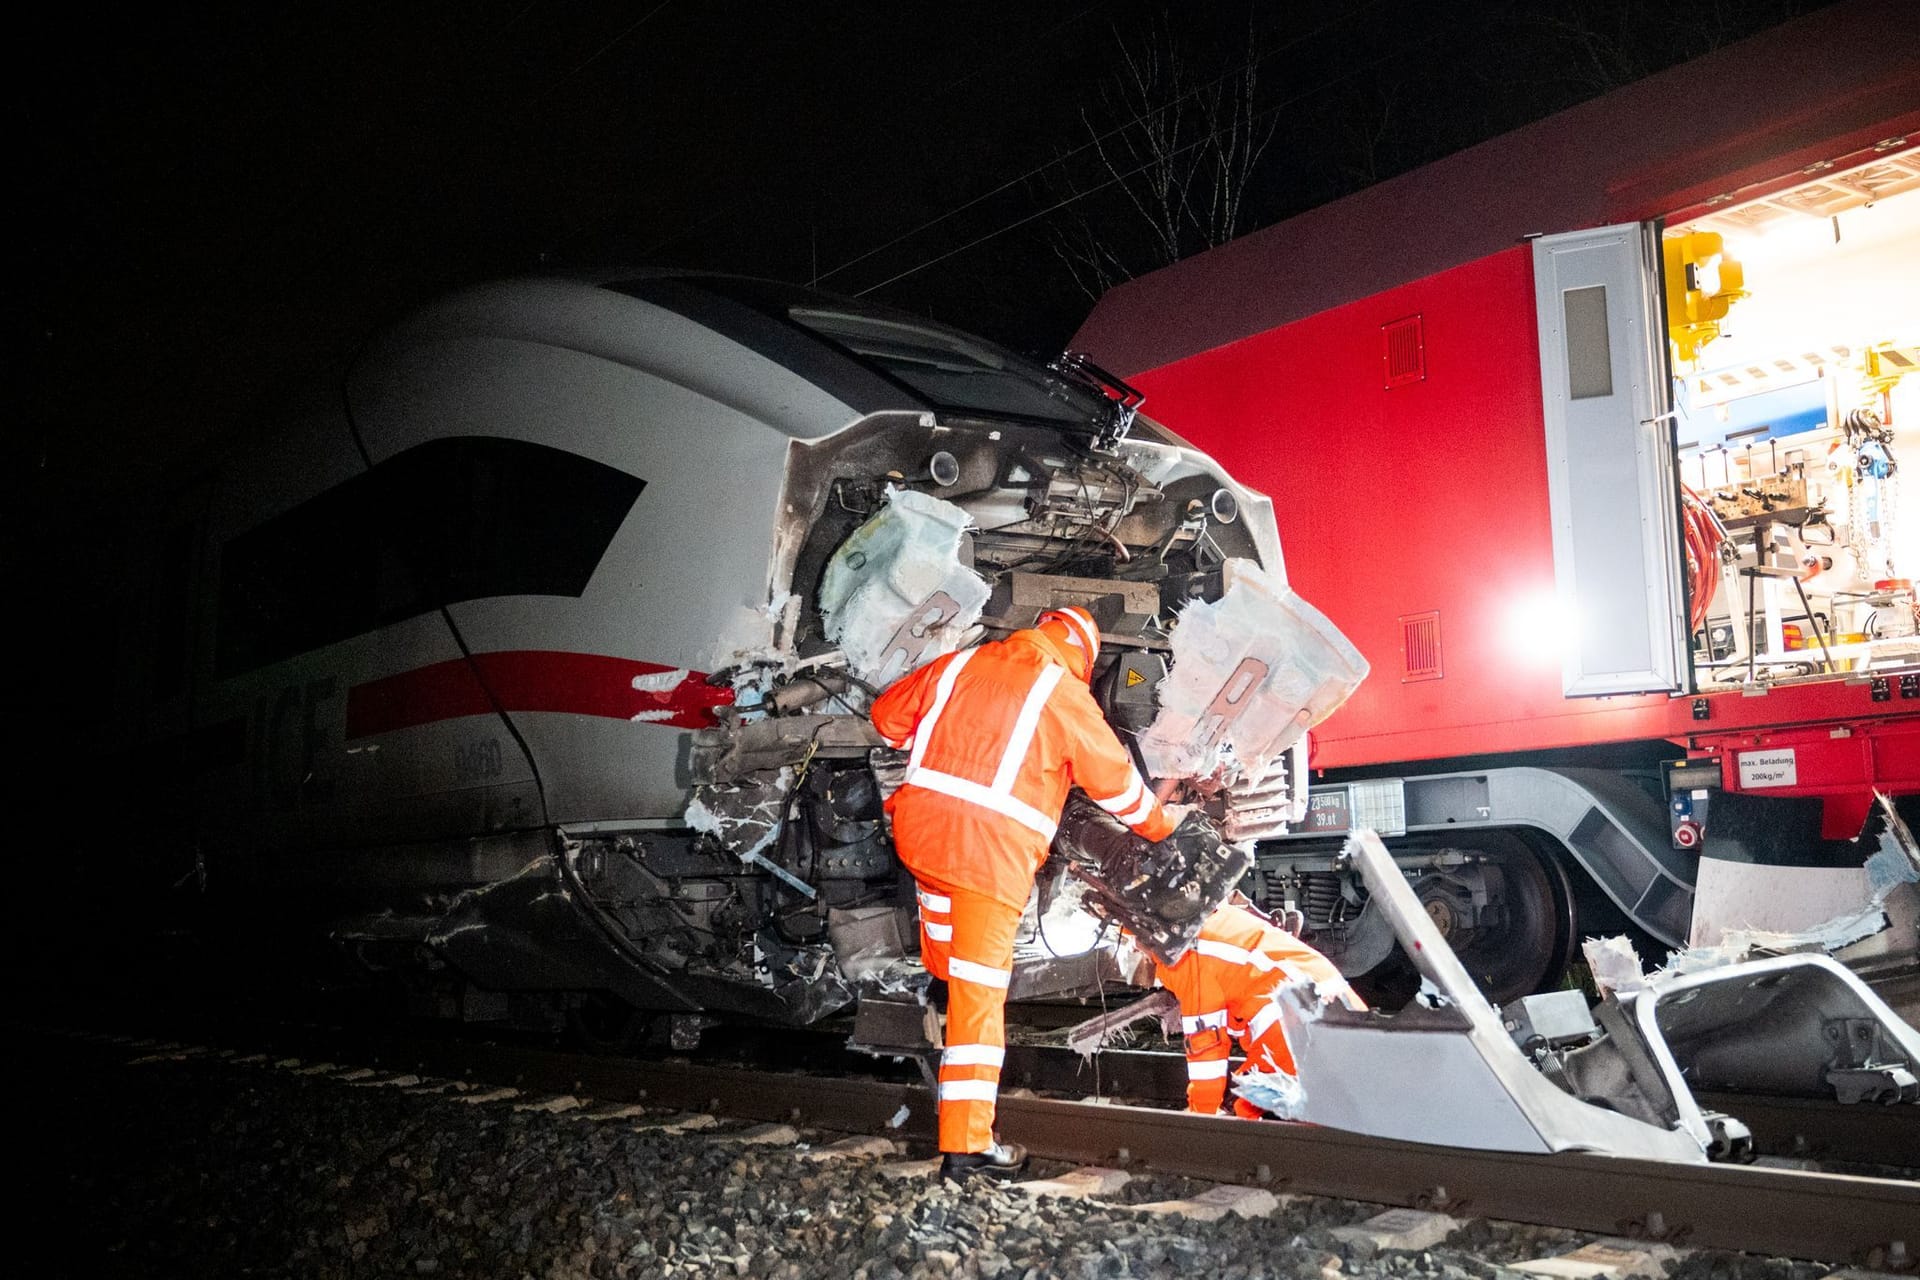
1180, 145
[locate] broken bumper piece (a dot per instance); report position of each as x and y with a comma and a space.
1449, 1072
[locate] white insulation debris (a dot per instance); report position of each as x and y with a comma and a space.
895, 595
1251, 673
1066, 927
1898, 860
1615, 964
1895, 864
660, 681
1275, 1092
1736, 945
755, 632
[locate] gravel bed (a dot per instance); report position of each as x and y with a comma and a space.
211, 1168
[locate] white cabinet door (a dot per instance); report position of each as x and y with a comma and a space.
1610, 461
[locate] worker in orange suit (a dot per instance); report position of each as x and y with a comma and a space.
1226, 984
996, 736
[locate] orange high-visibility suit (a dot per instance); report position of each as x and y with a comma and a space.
996, 735
1225, 984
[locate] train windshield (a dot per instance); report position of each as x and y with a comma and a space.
953, 371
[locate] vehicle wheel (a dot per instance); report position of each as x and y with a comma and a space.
1528, 942
1523, 940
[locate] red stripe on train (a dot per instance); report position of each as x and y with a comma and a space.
586, 684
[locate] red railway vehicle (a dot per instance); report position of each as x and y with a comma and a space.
1589, 437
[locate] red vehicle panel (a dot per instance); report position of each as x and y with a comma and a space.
1423, 498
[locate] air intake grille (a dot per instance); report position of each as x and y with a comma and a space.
1420, 646
1403, 352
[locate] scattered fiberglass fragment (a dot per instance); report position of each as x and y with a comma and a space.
1251, 673
895, 595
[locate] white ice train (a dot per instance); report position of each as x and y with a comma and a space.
444, 658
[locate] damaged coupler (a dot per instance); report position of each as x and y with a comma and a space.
1159, 892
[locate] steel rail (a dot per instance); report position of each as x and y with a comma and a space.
1857, 1134
1822, 1217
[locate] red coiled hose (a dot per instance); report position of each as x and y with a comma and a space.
1701, 533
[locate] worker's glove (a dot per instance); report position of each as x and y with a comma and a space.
1177, 813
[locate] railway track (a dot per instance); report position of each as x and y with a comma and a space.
1820, 1216
1791, 1128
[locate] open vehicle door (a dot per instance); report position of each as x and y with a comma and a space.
1610, 461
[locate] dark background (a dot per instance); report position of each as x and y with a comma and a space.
224, 199
221, 202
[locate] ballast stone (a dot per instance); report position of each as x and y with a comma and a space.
1610, 1258
1406, 1229
1078, 1184
1217, 1202
851, 1148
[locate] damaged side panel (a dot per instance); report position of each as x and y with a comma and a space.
1544, 1075
1463, 1080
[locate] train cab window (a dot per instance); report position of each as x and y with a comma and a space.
462, 518
951, 369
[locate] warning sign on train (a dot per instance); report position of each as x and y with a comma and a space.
1767, 768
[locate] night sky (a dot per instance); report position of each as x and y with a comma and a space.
225, 199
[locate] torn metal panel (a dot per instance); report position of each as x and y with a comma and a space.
867, 940
1865, 915
896, 595
746, 818
529, 932
1450, 1075
1736, 899
1251, 673
743, 816
870, 944
737, 751
1102, 1030
1125, 608
1791, 1026
1799, 1025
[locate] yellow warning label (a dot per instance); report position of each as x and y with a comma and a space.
1134, 678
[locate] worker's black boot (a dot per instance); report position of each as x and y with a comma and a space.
1001, 1160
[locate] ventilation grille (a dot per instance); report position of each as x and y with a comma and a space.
1420, 646
1403, 352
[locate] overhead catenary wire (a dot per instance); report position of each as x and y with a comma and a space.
725, 209
602, 51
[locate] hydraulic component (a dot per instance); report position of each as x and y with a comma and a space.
1158, 891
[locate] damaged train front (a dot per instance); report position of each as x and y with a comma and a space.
910, 535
